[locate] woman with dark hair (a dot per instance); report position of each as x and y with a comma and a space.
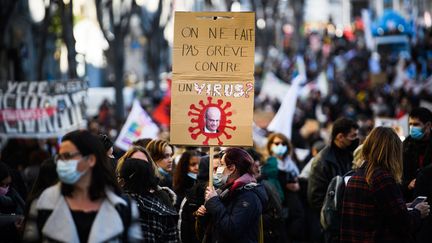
281, 170
161, 152
185, 175
158, 216
87, 197
236, 211
373, 207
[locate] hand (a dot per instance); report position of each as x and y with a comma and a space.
210, 192
201, 211
424, 209
293, 186
411, 185
19, 222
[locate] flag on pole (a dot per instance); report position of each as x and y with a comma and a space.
282, 122
138, 125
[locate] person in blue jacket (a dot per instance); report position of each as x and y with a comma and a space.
235, 210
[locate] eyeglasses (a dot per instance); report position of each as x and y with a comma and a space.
65, 156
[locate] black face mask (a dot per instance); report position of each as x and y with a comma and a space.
354, 144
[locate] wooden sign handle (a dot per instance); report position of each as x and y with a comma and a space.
211, 155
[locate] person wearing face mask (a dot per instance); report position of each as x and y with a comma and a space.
192, 229
186, 174
235, 212
78, 208
158, 216
11, 207
334, 159
161, 152
417, 148
281, 170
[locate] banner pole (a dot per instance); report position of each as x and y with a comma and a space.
211, 155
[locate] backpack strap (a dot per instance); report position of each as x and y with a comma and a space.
261, 230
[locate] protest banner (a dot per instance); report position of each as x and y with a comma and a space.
42, 109
282, 121
138, 125
213, 83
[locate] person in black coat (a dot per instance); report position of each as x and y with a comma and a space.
335, 159
191, 229
185, 174
424, 188
236, 211
11, 207
417, 149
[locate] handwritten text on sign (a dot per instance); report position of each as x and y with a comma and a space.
231, 89
218, 46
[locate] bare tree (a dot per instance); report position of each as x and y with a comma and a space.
114, 17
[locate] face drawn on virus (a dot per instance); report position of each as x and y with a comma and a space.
211, 121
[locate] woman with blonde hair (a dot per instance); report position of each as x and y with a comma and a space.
373, 207
161, 152
135, 152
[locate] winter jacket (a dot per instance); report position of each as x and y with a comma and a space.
236, 213
11, 210
416, 155
270, 172
59, 226
424, 188
376, 212
158, 219
325, 166
190, 229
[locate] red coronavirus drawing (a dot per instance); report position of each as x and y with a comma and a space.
219, 120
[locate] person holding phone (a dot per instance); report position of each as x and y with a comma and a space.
373, 207
424, 188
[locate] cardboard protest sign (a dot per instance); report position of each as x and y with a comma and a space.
42, 109
213, 83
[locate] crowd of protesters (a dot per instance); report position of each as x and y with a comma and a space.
80, 190
258, 195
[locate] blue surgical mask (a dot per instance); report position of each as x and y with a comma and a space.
162, 171
279, 150
192, 175
416, 133
67, 171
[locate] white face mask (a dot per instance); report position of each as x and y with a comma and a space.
218, 177
67, 171
192, 175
